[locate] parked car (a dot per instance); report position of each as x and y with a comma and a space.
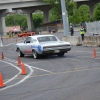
38, 45
26, 34
53, 31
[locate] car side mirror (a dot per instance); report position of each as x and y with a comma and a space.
27, 41
24, 41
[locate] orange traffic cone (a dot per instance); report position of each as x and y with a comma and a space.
94, 53
1, 81
19, 62
2, 56
23, 69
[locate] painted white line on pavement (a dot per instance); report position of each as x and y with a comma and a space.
15, 67
21, 80
7, 59
31, 66
41, 69
34, 67
37, 62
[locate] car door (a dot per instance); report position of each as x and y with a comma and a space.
27, 45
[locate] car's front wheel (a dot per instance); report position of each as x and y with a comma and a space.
35, 54
61, 54
20, 54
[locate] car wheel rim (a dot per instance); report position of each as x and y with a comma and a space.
18, 53
34, 54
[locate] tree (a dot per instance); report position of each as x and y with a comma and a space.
55, 13
76, 18
21, 20
71, 7
16, 19
84, 13
24, 25
38, 19
9, 20
97, 12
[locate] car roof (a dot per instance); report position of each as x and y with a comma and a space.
36, 36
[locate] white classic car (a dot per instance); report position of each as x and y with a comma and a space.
38, 45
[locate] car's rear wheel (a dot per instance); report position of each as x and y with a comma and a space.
35, 54
20, 54
61, 54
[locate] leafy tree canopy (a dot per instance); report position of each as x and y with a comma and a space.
21, 20
97, 12
55, 13
84, 13
38, 18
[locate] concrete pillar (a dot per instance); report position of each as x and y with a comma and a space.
3, 13
30, 22
91, 10
2, 26
46, 16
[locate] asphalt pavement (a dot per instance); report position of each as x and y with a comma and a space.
76, 76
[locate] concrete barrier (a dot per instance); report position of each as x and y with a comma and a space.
85, 41
73, 40
91, 41
94, 40
98, 41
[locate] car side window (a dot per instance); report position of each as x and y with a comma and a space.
47, 38
28, 40
53, 38
34, 40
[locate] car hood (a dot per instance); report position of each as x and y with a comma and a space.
54, 43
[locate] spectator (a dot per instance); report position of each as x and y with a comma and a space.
39, 32
82, 32
71, 30
84, 25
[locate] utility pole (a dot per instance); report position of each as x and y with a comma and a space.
65, 17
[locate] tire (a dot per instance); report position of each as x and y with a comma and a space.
20, 54
35, 54
61, 54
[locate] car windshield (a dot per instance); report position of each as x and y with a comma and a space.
47, 38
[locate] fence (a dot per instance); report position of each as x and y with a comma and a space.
93, 28
48, 29
60, 29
